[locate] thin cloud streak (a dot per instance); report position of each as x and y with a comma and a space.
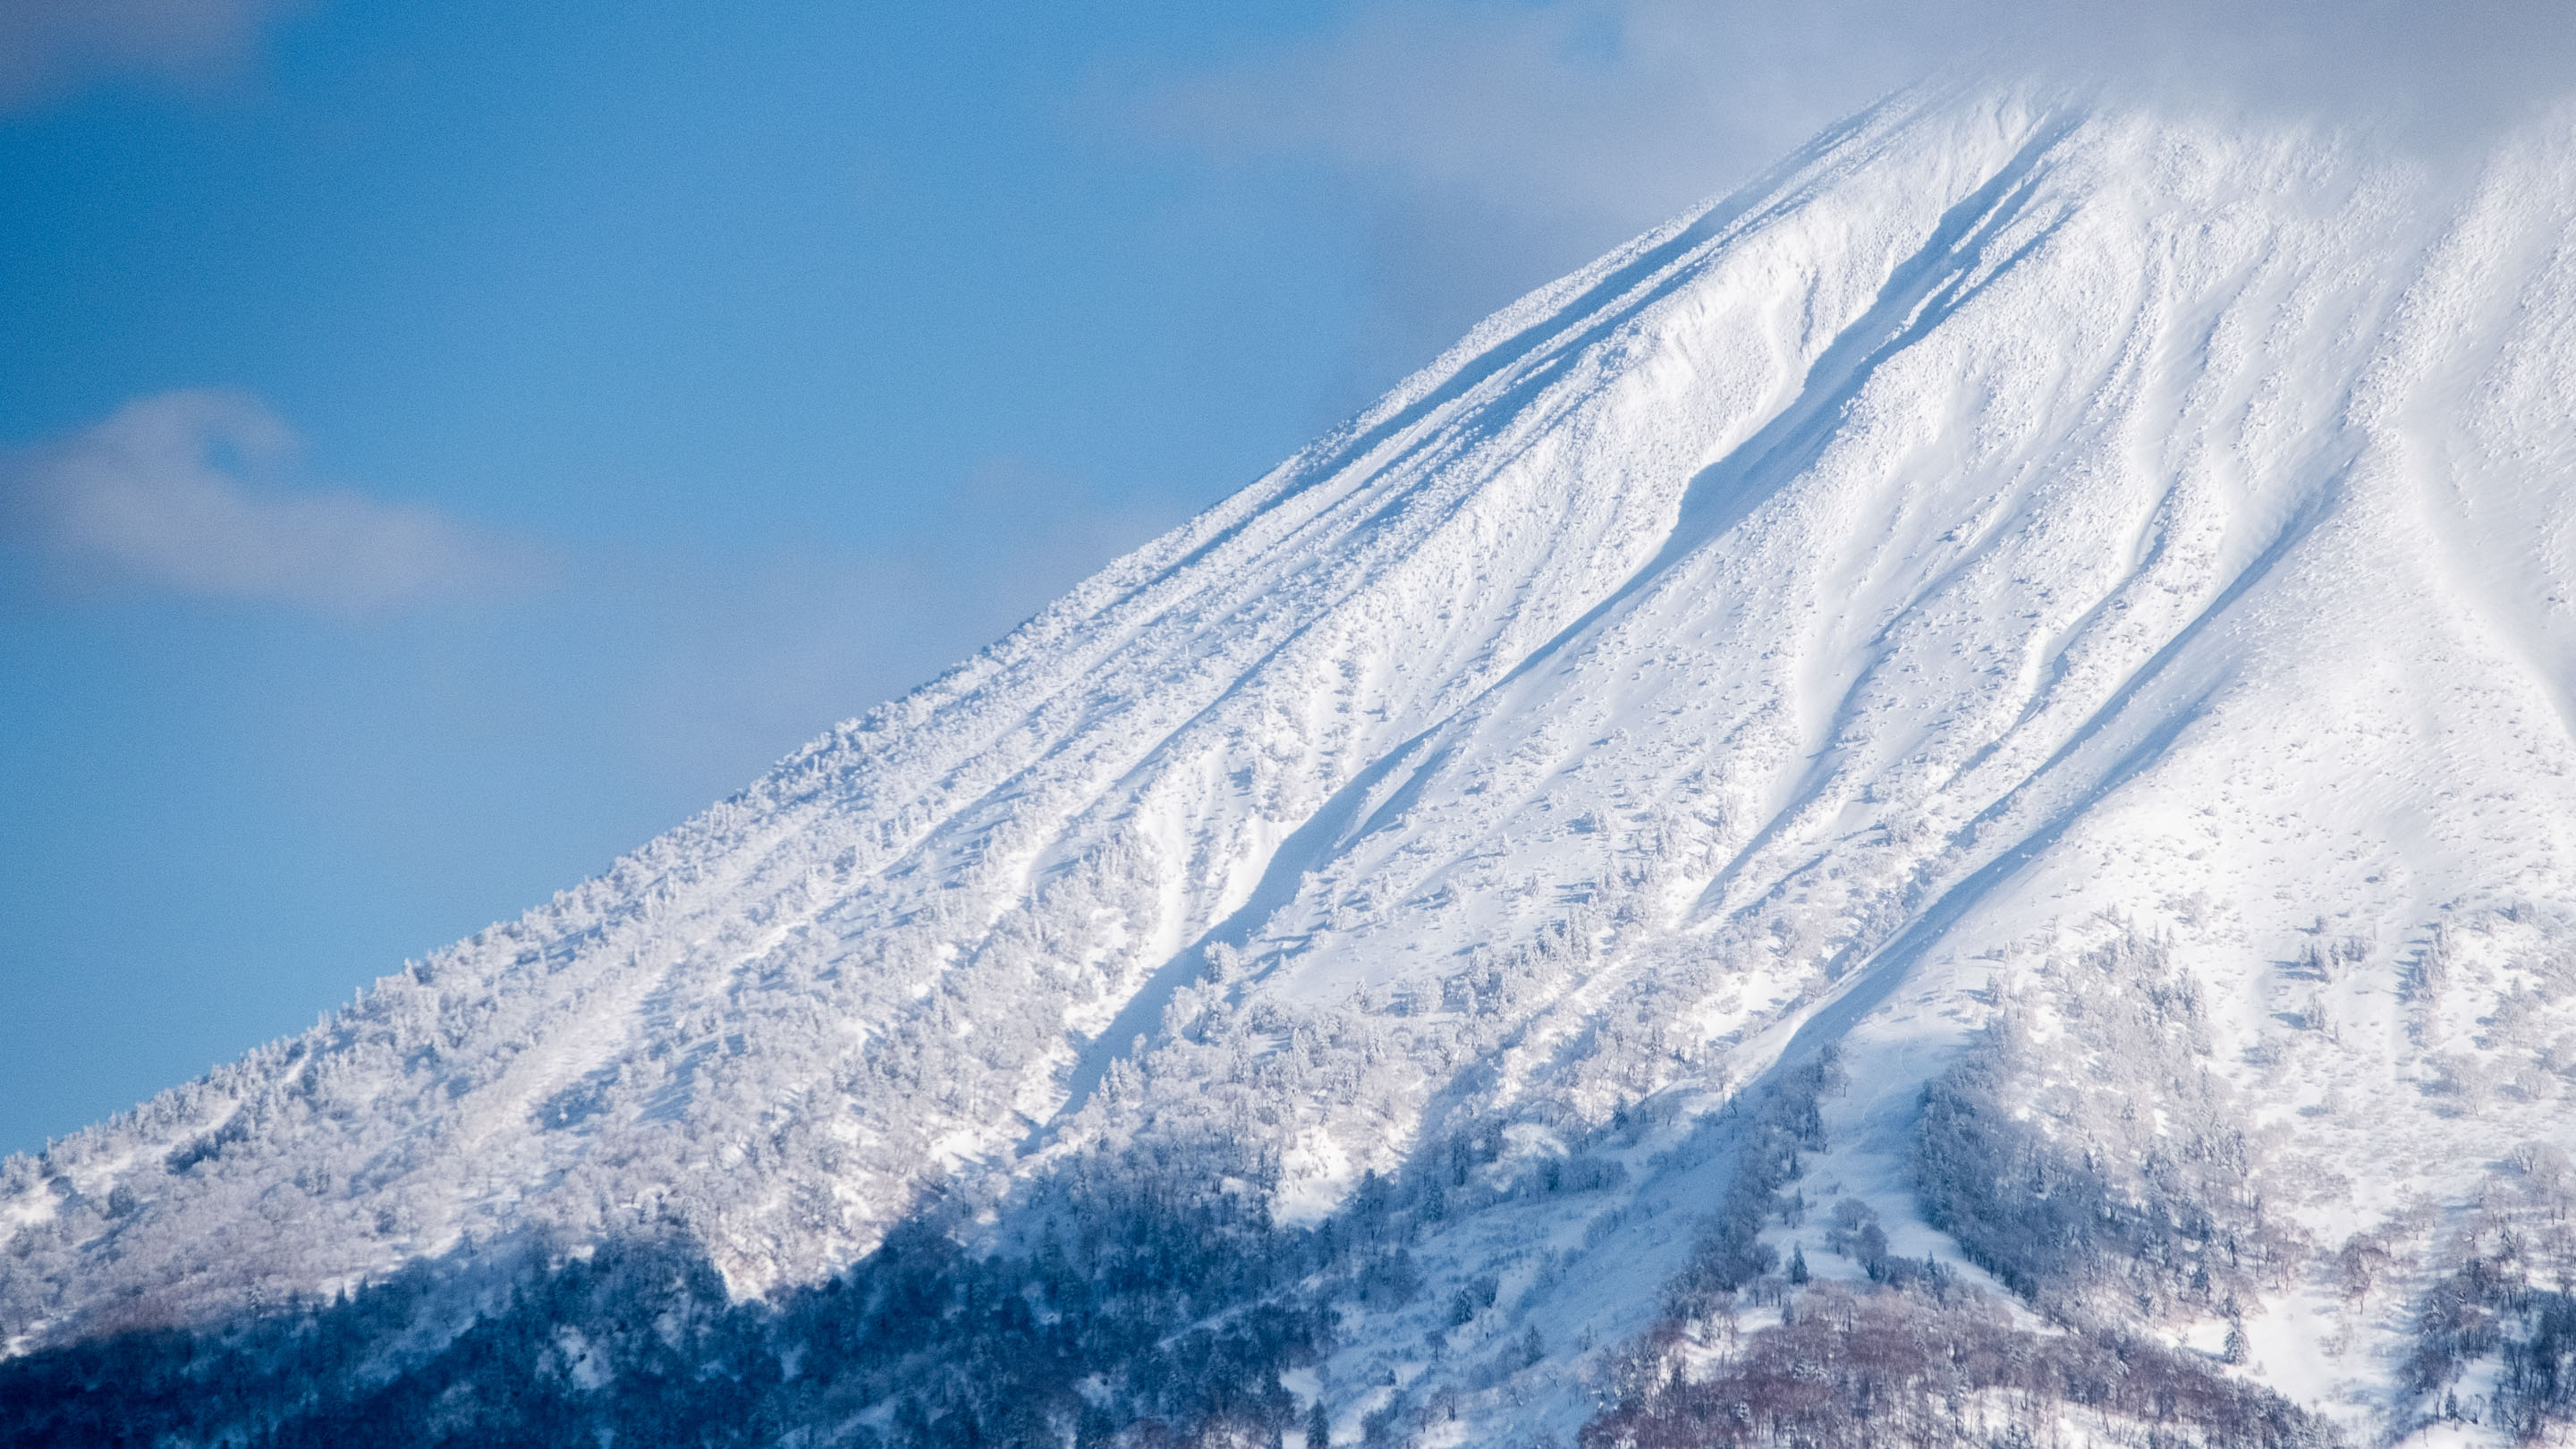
177, 492
768, 650
1505, 143
48, 47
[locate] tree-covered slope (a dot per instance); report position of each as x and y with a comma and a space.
1976, 736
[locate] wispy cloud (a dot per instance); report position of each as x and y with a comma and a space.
182, 492
1505, 141
47, 46
763, 650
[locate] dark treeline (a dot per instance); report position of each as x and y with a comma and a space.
1148, 1314
1138, 1298
1145, 1298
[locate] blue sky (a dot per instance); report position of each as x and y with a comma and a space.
442, 445
449, 444
743, 365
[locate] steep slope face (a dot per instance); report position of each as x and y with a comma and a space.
2069, 610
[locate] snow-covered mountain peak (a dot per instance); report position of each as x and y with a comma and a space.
2062, 617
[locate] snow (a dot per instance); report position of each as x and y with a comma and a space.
2006, 518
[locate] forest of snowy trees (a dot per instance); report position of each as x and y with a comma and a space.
2083, 1151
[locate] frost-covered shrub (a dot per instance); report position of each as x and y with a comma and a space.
2505, 1290
2082, 1147
1932, 1365
1788, 1121
1852, 1229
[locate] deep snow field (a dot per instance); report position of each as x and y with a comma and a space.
2072, 609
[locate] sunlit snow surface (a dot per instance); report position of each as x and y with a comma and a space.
2004, 527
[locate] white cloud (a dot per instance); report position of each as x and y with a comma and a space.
48, 45
178, 492
1563, 110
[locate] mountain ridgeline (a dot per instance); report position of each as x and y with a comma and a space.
1936, 804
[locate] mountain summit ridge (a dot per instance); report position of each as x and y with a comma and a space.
2027, 599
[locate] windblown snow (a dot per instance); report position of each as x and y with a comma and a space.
2014, 553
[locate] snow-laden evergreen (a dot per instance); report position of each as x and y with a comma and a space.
1989, 718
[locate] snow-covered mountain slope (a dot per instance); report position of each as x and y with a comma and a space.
2068, 608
